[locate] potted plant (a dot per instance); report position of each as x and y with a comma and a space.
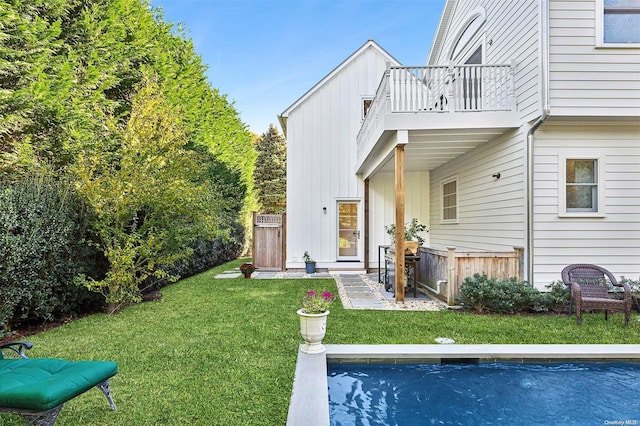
411, 231
313, 320
310, 265
247, 269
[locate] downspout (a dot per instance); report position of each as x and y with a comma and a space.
544, 88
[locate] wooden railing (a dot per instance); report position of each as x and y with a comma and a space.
441, 89
442, 272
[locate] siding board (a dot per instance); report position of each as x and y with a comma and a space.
585, 80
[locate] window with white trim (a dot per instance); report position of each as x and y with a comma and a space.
618, 23
581, 187
366, 104
450, 201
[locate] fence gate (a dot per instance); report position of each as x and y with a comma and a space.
268, 241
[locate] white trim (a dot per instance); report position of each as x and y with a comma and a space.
360, 241
600, 43
466, 35
362, 101
562, 182
369, 44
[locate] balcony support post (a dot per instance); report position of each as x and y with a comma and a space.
403, 139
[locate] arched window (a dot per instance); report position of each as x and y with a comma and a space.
466, 35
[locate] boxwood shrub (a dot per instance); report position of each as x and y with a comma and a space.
482, 294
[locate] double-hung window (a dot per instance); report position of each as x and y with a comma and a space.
450, 201
618, 23
581, 188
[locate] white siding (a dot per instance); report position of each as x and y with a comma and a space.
491, 213
321, 153
511, 32
585, 80
382, 207
612, 241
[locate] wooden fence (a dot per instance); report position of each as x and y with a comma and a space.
442, 272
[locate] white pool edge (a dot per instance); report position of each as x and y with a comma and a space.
309, 404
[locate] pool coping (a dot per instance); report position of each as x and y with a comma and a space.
309, 404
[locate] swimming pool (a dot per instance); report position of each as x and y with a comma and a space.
309, 404
569, 393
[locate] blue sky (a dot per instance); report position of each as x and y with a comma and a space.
265, 54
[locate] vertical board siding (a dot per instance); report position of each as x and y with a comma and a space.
321, 155
381, 207
585, 80
612, 241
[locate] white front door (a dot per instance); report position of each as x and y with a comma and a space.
348, 230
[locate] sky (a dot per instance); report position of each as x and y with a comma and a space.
265, 54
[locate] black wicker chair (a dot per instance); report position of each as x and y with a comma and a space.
589, 290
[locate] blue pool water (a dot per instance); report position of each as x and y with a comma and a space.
485, 394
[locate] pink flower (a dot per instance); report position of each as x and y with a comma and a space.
311, 293
326, 295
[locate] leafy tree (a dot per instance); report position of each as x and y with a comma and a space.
149, 198
69, 74
271, 171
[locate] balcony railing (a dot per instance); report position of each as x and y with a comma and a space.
441, 89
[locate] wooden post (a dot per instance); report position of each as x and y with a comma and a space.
452, 276
254, 216
399, 237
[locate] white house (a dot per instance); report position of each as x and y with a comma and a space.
522, 130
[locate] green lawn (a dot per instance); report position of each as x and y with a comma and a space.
223, 351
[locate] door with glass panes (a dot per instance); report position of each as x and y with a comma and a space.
348, 231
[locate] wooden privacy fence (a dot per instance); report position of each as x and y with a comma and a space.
444, 271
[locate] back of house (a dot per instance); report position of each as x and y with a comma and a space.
521, 131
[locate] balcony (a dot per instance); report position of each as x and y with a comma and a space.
466, 100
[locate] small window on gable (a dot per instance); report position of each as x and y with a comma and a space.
618, 23
582, 187
450, 200
366, 104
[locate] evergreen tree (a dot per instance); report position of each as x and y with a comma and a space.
270, 175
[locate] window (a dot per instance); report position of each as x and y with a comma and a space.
366, 104
468, 34
618, 22
581, 187
450, 200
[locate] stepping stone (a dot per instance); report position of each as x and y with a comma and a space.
229, 274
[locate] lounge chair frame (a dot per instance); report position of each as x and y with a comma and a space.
589, 290
48, 417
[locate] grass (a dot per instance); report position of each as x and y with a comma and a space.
223, 351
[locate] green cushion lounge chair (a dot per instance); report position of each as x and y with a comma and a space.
36, 389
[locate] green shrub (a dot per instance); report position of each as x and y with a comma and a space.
42, 248
482, 294
557, 297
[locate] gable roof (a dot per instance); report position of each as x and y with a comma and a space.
441, 32
282, 118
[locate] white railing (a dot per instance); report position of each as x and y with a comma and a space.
442, 89
453, 88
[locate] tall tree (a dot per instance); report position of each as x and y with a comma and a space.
270, 175
150, 202
69, 75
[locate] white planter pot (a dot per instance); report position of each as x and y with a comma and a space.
313, 328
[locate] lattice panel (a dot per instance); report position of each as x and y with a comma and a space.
268, 220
